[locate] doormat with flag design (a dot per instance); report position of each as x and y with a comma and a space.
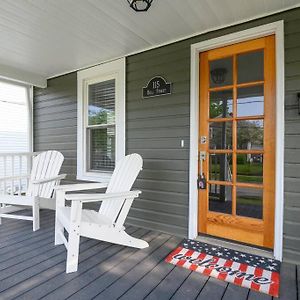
247, 270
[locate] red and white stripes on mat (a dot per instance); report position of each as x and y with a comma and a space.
244, 275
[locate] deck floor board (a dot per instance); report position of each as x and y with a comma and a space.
120, 267
191, 287
168, 287
288, 286
235, 292
31, 267
143, 287
254, 295
103, 263
143, 267
59, 278
214, 289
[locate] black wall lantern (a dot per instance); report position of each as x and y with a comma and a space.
140, 5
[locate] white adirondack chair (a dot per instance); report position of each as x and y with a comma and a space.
105, 225
41, 182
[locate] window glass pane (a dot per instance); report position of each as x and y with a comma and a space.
221, 104
220, 167
250, 101
102, 148
249, 202
250, 66
250, 168
14, 113
220, 198
250, 134
101, 103
220, 135
220, 72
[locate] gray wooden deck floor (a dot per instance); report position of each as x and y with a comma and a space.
31, 267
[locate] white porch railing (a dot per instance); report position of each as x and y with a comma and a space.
15, 165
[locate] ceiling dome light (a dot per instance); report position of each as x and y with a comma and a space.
140, 5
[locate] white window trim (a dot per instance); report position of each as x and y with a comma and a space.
112, 70
276, 28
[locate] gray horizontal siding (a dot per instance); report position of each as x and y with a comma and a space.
55, 120
291, 240
155, 127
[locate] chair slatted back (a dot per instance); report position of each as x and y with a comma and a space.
123, 177
45, 165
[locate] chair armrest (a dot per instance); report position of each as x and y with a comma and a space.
46, 180
85, 198
81, 186
14, 177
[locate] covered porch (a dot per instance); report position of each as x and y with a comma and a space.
87, 67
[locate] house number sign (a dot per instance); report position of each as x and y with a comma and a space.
157, 86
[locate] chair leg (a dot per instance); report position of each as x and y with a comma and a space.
1, 211
59, 229
36, 215
73, 250
74, 237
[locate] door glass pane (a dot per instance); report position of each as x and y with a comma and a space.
220, 135
249, 202
250, 101
101, 103
250, 134
250, 168
220, 167
250, 66
221, 104
220, 198
101, 148
220, 71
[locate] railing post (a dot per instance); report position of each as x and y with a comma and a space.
20, 173
12, 173
4, 167
29, 165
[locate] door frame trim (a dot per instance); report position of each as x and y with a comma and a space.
276, 28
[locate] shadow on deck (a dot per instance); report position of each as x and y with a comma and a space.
31, 267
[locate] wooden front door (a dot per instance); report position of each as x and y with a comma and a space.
237, 142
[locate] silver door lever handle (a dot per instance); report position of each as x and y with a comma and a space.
202, 157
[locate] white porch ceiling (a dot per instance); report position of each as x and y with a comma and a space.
42, 39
